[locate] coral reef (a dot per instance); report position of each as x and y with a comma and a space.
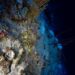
27, 47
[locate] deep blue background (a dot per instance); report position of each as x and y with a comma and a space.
60, 19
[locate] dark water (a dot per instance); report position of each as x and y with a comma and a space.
64, 29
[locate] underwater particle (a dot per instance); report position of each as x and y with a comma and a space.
60, 46
51, 32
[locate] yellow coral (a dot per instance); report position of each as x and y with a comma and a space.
28, 40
